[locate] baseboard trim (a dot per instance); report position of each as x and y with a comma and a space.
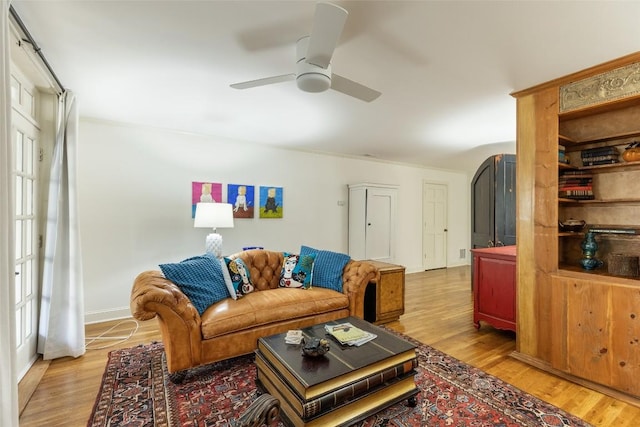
29, 383
421, 269
106, 315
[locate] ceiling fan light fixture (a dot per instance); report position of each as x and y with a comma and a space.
313, 59
313, 82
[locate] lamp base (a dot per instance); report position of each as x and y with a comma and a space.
213, 245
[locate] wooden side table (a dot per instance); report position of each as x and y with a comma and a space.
388, 298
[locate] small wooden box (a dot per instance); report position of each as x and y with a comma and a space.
627, 265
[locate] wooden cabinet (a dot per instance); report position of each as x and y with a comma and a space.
494, 287
372, 221
598, 335
493, 202
384, 301
576, 322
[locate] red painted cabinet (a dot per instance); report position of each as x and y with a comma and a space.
494, 287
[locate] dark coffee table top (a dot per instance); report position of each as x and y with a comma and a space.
340, 360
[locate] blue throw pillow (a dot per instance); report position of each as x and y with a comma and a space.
327, 268
296, 271
200, 279
240, 276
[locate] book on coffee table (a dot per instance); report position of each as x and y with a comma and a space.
347, 334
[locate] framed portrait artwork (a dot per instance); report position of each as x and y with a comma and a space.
271, 202
242, 197
205, 192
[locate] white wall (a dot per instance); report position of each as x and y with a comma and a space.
135, 195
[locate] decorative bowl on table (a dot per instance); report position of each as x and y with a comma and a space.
315, 347
572, 225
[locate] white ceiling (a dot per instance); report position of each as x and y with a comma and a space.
445, 68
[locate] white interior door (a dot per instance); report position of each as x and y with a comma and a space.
25, 143
379, 224
434, 233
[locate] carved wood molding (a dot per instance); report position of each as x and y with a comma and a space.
615, 84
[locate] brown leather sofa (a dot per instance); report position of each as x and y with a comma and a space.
231, 327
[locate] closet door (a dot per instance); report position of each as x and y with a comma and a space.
482, 205
493, 202
379, 227
505, 204
372, 212
357, 222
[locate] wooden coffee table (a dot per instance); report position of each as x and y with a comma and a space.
342, 387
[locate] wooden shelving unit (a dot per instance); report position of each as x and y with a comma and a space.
583, 323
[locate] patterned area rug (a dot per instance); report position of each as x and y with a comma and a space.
136, 391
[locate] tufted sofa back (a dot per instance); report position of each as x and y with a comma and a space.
264, 267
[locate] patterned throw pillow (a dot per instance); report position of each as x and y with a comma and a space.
227, 278
296, 271
200, 279
327, 268
240, 276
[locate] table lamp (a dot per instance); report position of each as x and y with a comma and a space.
214, 215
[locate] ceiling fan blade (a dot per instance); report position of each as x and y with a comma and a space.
264, 82
351, 88
328, 23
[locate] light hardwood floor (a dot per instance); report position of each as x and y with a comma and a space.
438, 307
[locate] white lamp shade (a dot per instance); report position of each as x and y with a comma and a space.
213, 215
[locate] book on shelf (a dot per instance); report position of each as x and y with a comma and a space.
576, 188
575, 179
575, 174
600, 157
613, 230
577, 194
574, 183
601, 151
404, 371
577, 197
600, 162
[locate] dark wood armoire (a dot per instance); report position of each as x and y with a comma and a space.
493, 202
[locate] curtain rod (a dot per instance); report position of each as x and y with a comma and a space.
29, 39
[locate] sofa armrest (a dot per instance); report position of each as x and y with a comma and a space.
152, 296
355, 278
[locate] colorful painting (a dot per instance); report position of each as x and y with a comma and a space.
242, 197
271, 202
205, 192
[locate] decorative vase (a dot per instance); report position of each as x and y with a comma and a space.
589, 248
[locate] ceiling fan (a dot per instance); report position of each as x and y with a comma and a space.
313, 59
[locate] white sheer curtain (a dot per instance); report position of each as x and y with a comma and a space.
61, 331
8, 374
